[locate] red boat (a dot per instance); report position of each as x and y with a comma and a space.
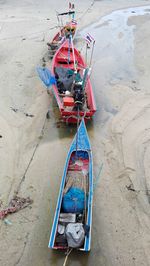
73, 89
61, 36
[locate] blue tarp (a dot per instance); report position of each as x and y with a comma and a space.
73, 201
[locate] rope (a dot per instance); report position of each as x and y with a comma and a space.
64, 55
30, 34
67, 255
77, 131
31, 159
98, 177
76, 117
81, 66
86, 11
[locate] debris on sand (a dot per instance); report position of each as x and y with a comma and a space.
16, 204
14, 109
17, 110
7, 222
43, 59
29, 115
130, 187
48, 116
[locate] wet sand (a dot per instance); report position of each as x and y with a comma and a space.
119, 132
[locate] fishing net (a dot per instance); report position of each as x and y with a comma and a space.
45, 75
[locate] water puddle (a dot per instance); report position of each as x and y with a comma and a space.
113, 61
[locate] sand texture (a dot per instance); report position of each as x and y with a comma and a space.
33, 148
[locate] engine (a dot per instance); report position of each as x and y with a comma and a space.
78, 95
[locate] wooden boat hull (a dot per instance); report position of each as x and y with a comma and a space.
83, 146
60, 60
60, 38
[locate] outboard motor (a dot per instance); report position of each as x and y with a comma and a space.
78, 95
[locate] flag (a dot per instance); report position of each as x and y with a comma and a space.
74, 22
89, 39
71, 6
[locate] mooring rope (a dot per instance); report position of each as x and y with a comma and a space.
67, 255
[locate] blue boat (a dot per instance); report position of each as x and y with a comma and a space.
72, 222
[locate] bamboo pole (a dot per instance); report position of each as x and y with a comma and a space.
92, 53
59, 24
77, 133
86, 53
73, 54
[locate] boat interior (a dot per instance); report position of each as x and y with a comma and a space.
72, 85
72, 228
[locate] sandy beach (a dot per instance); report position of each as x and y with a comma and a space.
33, 149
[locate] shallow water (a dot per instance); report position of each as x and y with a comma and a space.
113, 60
